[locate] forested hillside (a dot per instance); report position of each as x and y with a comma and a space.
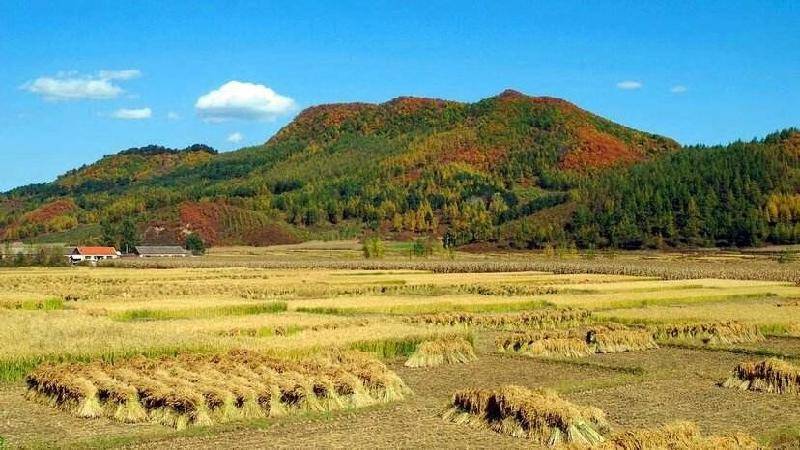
510, 169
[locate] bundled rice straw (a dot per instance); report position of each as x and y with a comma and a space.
554, 343
709, 333
578, 342
676, 436
201, 390
534, 414
769, 375
618, 338
539, 319
443, 350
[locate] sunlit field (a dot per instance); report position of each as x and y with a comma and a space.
630, 334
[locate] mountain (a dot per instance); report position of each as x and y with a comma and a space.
511, 169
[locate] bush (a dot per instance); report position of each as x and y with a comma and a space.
424, 247
373, 247
195, 244
786, 257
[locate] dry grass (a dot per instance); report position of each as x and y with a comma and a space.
201, 390
769, 375
443, 350
676, 436
708, 333
782, 316
534, 414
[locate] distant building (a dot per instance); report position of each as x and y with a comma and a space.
161, 251
93, 254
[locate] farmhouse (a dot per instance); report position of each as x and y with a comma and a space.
160, 251
92, 254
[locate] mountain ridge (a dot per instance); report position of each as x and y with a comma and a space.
508, 168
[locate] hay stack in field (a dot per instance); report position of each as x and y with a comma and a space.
553, 343
769, 375
442, 350
539, 319
708, 333
205, 389
578, 342
618, 338
676, 436
534, 414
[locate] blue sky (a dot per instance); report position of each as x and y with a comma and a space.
80, 79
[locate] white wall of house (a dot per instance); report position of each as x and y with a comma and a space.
79, 258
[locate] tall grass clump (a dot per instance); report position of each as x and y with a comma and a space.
373, 247
769, 375
389, 348
442, 350
539, 415
199, 313
676, 436
191, 389
708, 333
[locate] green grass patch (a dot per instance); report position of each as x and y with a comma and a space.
391, 348
199, 313
48, 304
777, 329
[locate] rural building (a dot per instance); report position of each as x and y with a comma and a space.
160, 251
93, 254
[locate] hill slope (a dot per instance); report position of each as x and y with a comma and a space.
508, 168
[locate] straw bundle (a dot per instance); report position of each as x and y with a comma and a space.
554, 343
676, 436
539, 319
534, 414
708, 333
443, 350
769, 375
204, 389
617, 338
578, 342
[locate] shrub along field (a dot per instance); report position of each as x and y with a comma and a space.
310, 345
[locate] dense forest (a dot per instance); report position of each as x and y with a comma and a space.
510, 170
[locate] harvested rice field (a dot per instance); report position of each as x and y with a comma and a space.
300, 346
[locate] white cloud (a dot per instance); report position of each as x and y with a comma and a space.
73, 86
127, 74
132, 114
241, 100
172, 115
235, 137
678, 89
629, 85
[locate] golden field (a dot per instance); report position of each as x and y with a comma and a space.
300, 301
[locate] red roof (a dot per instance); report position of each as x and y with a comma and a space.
96, 251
